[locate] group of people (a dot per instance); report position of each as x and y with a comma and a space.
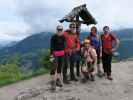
81, 59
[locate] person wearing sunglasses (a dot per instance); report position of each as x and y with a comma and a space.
72, 46
58, 53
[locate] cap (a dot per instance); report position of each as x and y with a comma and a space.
72, 25
87, 41
59, 27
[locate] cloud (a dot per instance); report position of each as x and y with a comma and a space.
115, 13
21, 17
41, 14
12, 27
13, 31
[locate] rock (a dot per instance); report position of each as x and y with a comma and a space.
23, 96
71, 98
29, 93
34, 92
45, 98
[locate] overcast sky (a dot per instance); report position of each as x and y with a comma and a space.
20, 18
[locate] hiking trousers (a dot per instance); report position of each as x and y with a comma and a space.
57, 65
107, 60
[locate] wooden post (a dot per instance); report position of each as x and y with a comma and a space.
78, 25
77, 22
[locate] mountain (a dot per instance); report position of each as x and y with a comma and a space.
29, 44
30, 53
30, 47
126, 43
125, 33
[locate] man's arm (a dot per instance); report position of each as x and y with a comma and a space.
77, 43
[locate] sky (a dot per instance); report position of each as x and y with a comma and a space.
21, 18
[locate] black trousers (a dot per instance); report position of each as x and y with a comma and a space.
107, 60
57, 65
78, 68
66, 65
98, 56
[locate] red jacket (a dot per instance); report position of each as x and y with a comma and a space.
72, 42
107, 42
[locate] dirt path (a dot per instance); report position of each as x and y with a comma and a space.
121, 88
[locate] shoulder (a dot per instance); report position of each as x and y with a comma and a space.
93, 51
53, 36
88, 37
101, 36
113, 36
98, 36
63, 37
83, 49
66, 33
76, 36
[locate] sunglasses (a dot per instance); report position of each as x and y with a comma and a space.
59, 29
72, 27
94, 30
106, 30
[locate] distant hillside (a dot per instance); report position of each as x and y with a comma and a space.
29, 44
42, 41
125, 34
30, 56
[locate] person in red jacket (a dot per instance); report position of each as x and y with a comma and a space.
72, 46
110, 44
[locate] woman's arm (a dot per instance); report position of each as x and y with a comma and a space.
117, 43
93, 55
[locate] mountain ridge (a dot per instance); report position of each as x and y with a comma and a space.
42, 41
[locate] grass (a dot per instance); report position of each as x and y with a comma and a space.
11, 74
8, 80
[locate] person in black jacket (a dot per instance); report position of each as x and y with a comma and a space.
57, 52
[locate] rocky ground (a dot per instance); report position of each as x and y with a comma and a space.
121, 88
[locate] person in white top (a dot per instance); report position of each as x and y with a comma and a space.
90, 60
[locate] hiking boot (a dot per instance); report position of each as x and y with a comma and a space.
105, 75
65, 81
74, 79
109, 78
84, 80
100, 74
53, 85
92, 77
78, 75
59, 83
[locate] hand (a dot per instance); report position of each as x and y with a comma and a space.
77, 49
51, 56
113, 50
91, 61
100, 55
